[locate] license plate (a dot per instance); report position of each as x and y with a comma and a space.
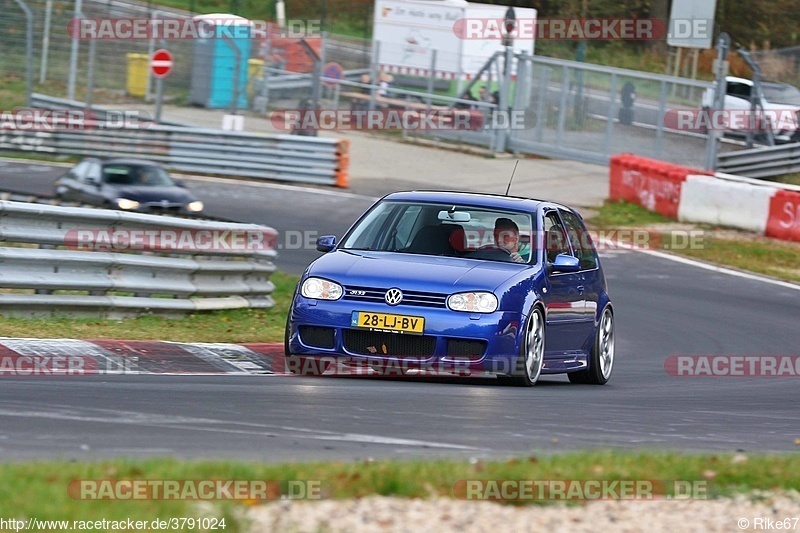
387, 322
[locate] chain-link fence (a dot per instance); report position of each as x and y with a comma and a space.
107, 67
565, 108
591, 112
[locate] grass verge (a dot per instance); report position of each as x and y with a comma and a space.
737, 249
40, 489
238, 325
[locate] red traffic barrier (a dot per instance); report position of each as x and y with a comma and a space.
655, 185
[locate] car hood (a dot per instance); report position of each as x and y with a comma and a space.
413, 271
153, 194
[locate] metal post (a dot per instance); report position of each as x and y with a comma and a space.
28, 50
756, 101
662, 104
73, 56
503, 101
376, 52
45, 41
612, 107
723, 44
159, 98
521, 89
562, 107
90, 74
544, 89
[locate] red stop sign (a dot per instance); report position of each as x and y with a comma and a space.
161, 63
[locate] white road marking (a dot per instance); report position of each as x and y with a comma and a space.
186, 423
706, 266
376, 439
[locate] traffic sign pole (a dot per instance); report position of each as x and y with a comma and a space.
160, 66
159, 97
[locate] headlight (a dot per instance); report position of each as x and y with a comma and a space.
473, 302
195, 207
321, 289
124, 203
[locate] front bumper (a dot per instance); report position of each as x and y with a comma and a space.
445, 334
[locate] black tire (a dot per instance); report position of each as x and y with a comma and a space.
522, 376
598, 373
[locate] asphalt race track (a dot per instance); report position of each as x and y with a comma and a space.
664, 308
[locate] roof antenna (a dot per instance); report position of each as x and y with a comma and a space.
512, 177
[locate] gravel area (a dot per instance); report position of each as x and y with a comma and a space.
396, 515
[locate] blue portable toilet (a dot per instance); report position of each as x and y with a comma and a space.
215, 60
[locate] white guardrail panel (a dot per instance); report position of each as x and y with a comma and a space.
119, 283
711, 200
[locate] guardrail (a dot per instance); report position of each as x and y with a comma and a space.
762, 162
198, 150
111, 263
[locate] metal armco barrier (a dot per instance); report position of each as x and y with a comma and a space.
198, 150
110, 263
761, 162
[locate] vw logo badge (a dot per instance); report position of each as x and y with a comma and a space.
394, 296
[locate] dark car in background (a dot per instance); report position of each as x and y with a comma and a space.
127, 184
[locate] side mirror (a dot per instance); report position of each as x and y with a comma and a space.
179, 183
94, 181
326, 243
566, 263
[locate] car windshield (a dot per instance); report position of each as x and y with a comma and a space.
139, 175
445, 230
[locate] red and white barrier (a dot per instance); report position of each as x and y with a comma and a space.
652, 184
692, 195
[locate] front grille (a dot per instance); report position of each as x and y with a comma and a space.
316, 336
414, 298
388, 344
157, 208
471, 349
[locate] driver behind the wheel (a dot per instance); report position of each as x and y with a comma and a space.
506, 236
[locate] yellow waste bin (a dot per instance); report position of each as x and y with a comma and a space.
137, 74
253, 67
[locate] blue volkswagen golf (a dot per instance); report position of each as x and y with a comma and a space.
460, 283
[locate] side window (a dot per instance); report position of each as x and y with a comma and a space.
93, 174
740, 90
79, 172
555, 238
402, 232
581, 241
368, 231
